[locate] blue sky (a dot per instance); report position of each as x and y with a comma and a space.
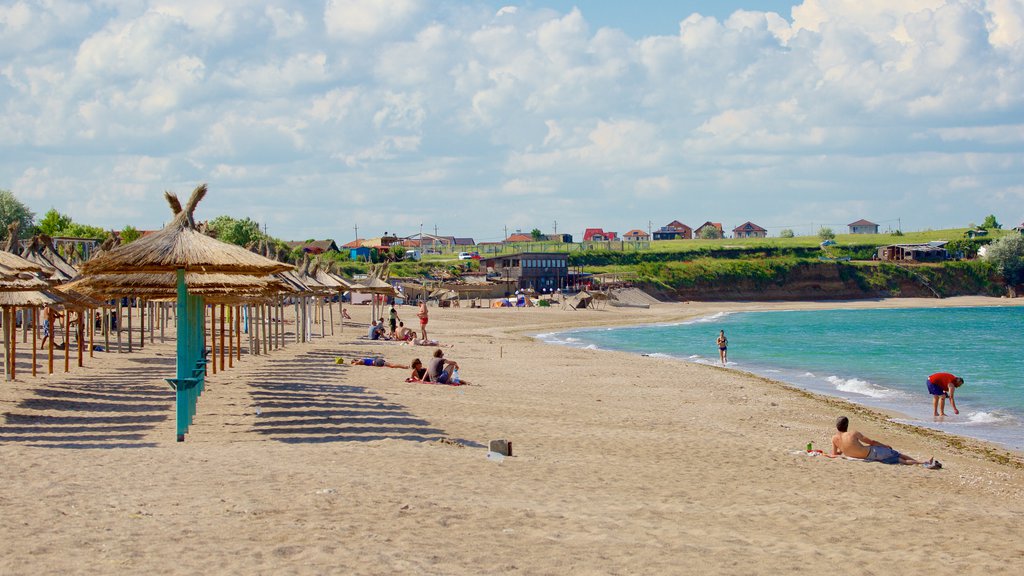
477, 117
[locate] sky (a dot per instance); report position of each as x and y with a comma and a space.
478, 118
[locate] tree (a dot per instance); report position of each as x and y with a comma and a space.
233, 231
826, 233
76, 230
1007, 255
129, 234
537, 234
12, 209
709, 233
786, 233
991, 223
396, 253
54, 223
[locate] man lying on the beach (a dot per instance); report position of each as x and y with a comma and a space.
853, 444
378, 362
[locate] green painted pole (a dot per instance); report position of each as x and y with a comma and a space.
184, 361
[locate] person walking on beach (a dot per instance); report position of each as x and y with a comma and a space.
723, 347
423, 316
50, 316
393, 321
853, 444
942, 385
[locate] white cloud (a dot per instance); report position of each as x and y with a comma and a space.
850, 103
359, 20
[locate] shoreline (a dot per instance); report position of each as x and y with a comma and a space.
892, 413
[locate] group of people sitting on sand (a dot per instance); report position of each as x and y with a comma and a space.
439, 370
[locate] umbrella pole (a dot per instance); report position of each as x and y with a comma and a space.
14, 340
119, 319
330, 310
79, 334
67, 341
7, 351
213, 337
130, 306
106, 329
142, 324
53, 331
92, 331
238, 332
35, 316
221, 337
267, 327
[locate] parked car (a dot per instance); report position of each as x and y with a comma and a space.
469, 255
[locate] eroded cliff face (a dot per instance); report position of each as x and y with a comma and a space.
831, 281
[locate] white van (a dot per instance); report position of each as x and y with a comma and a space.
413, 255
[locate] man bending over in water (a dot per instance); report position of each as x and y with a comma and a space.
856, 445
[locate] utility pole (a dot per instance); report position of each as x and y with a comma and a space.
356, 228
506, 233
556, 228
649, 228
899, 224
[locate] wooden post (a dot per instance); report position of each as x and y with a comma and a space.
221, 337
231, 339
53, 333
265, 312
14, 340
67, 341
106, 329
92, 332
142, 323
35, 317
151, 306
213, 337
79, 334
7, 346
238, 333
130, 306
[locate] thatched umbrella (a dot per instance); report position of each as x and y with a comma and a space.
40, 251
180, 248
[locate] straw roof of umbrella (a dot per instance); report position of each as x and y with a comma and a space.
28, 298
40, 251
180, 245
374, 285
22, 282
164, 285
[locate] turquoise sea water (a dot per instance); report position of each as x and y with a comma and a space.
879, 358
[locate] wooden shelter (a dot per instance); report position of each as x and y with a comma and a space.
181, 249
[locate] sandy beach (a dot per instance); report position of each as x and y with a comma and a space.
622, 465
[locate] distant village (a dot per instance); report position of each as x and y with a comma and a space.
362, 248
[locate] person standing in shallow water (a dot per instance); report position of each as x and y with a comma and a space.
723, 347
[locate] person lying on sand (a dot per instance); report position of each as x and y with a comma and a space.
379, 362
422, 342
856, 445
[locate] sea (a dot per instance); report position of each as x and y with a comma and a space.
879, 358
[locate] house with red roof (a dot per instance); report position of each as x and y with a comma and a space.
715, 227
519, 237
598, 235
674, 230
863, 226
749, 230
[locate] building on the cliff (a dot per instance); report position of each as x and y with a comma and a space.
674, 230
749, 230
709, 230
636, 236
863, 226
598, 235
930, 252
541, 271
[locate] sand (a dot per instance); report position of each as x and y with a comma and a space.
622, 465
